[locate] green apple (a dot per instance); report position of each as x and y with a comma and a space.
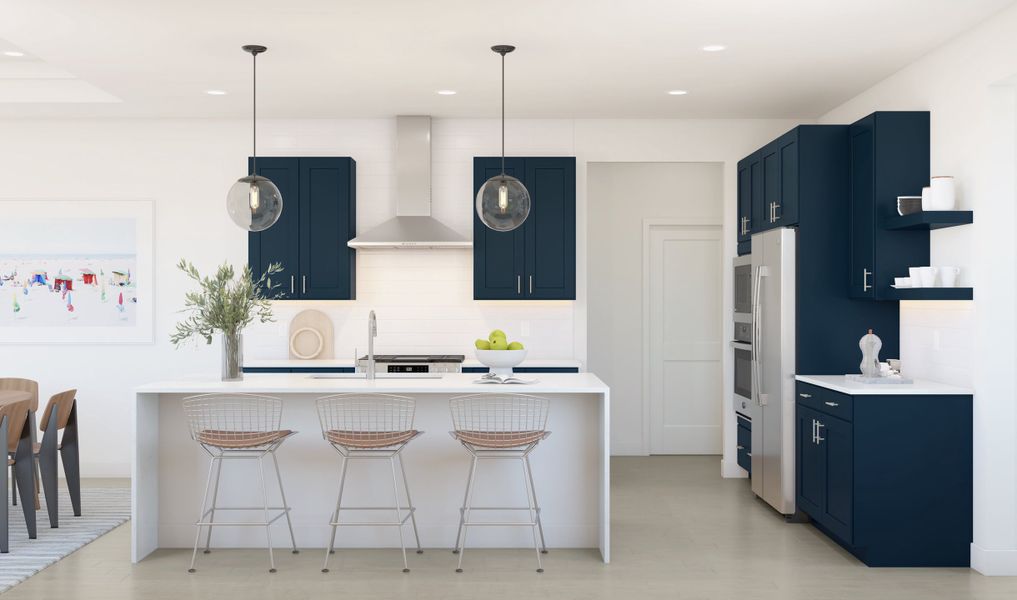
515, 346
497, 333
499, 344
482, 344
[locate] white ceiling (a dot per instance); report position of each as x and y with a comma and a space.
576, 58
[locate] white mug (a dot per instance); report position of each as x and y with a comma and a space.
927, 199
915, 275
943, 193
948, 276
928, 275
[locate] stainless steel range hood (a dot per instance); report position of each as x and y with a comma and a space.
413, 226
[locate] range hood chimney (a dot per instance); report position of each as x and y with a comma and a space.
413, 226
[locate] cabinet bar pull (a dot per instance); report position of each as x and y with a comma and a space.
776, 207
303, 284
805, 395
293, 284
531, 284
749, 454
519, 284
819, 438
741, 447
814, 431
865, 280
831, 403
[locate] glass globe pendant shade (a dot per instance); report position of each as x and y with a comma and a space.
503, 203
254, 203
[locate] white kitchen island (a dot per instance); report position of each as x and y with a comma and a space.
571, 468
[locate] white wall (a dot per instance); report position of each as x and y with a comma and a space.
619, 197
186, 166
967, 86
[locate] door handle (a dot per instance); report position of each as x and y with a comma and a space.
741, 447
831, 403
805, 395
819, 438
519, 284
813, 431
303, 284
293, 284
865, 280
776, 207
531, 284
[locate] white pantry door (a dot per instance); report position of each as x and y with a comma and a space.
684, 270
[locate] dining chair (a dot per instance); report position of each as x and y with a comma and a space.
60, 414
16, 438
18, 384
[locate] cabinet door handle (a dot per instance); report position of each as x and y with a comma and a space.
865, 280
519, 284
749, 454
805, 395
831, 403
531, 284
293, 284
303, 284
819, 438
741, 447
813, 431
776, 207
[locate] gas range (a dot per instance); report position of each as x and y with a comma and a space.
415, 363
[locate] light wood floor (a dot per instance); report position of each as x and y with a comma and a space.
680, 531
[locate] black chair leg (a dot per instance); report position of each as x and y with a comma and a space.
14, 487
69, 454
48, 471
4, 510
23, 473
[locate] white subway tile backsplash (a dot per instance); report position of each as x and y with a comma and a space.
424, 302
936, 341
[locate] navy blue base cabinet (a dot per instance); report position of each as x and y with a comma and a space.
537, 261
526, 370
889, 478
299, 370
745, 444
319, 217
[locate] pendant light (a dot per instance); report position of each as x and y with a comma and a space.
503, 202
254, 202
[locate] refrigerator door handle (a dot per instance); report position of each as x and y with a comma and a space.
757, 330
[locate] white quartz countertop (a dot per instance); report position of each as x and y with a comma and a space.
840, 383
289, 363
449, 383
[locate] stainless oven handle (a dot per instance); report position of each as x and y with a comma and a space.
755, 337
741, 346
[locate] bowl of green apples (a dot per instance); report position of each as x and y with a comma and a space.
498, 354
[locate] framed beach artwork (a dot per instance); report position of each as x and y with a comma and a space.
76, 271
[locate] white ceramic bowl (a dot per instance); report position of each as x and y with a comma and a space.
902, 282
501, 361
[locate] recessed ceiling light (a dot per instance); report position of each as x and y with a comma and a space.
446, 92
216, 92
14, 53
677, 92
714, 48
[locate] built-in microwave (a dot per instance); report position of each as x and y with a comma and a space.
743, 289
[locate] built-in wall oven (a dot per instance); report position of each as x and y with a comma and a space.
742, 344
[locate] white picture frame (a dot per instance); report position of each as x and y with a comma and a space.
69, 235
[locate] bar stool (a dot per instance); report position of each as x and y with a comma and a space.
366, 427
236, 427
16, 439
500, 426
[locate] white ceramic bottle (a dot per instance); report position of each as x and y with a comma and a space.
870, 345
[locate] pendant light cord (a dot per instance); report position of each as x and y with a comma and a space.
503, 113
254, 115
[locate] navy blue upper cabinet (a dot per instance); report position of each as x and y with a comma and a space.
785, 209
748, 174
310, 238
889, 158
537, 261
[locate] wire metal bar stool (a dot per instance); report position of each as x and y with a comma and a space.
370, 427
500, 426
238, 427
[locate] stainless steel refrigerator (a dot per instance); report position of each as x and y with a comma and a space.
773, 368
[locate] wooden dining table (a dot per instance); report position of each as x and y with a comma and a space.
10, 397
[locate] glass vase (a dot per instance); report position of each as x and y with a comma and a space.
232, 356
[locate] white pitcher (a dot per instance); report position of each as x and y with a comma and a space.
943, 193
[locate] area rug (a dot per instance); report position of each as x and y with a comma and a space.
102, 509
